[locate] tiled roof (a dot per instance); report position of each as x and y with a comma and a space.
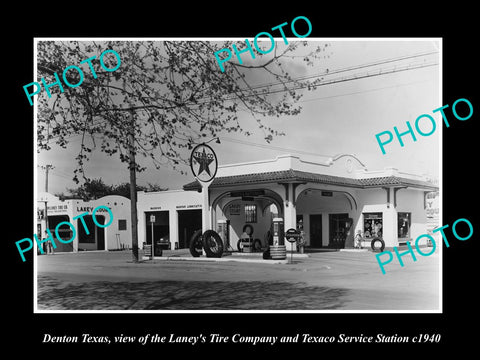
302, 176
395, 180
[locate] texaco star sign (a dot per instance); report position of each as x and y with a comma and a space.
203, 162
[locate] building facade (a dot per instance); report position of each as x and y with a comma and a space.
115, 236
177, 214
330, 201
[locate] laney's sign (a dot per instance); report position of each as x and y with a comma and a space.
90, 208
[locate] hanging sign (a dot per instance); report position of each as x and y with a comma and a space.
203, 162
234, 209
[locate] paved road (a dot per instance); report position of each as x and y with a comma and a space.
324, 281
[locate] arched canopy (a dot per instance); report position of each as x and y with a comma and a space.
257, 194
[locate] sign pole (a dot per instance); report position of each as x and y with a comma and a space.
153, 243
204, 165
292, 236
152, 220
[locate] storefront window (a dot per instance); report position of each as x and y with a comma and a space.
372, 225
250, 213
404, 222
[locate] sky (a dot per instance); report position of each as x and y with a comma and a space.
336, 118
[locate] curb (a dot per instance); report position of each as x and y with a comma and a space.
225, 259
259, 254
354, 250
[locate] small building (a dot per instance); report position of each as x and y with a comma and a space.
115, 236
330, 200
171, 217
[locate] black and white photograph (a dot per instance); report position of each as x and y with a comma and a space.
302, 179
217, 179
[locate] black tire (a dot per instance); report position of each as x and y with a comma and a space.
239, 245
374, 246
196, 243
257, 245
212, 244
245, 228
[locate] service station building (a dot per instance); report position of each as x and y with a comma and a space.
330, 201
116, 236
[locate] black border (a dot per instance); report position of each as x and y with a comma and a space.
455, 23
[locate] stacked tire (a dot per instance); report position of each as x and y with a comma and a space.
278, 252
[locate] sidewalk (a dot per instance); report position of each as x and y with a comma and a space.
256, 257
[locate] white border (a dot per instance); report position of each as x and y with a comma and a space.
35, 179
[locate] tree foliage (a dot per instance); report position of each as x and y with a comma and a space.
170, 95
96, 189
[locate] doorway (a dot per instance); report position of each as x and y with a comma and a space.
64, 231
159, 229
95, 239
338, 230
189, 221
316, 230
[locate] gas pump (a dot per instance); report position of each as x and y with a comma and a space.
278, 232
223, 226
278, 251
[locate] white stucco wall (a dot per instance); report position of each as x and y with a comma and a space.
171, 201
114, 237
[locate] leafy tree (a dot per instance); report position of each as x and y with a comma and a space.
96, 188
153, 187
124, 189
163, 99
91, 189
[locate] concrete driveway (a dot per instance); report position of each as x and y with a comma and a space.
322, 281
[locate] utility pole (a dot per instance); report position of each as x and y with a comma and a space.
133, 187
46, 168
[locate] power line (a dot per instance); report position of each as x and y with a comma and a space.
329, 82
363, 91
350, 68
348, 78
62, 174
306, 77
272, 147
